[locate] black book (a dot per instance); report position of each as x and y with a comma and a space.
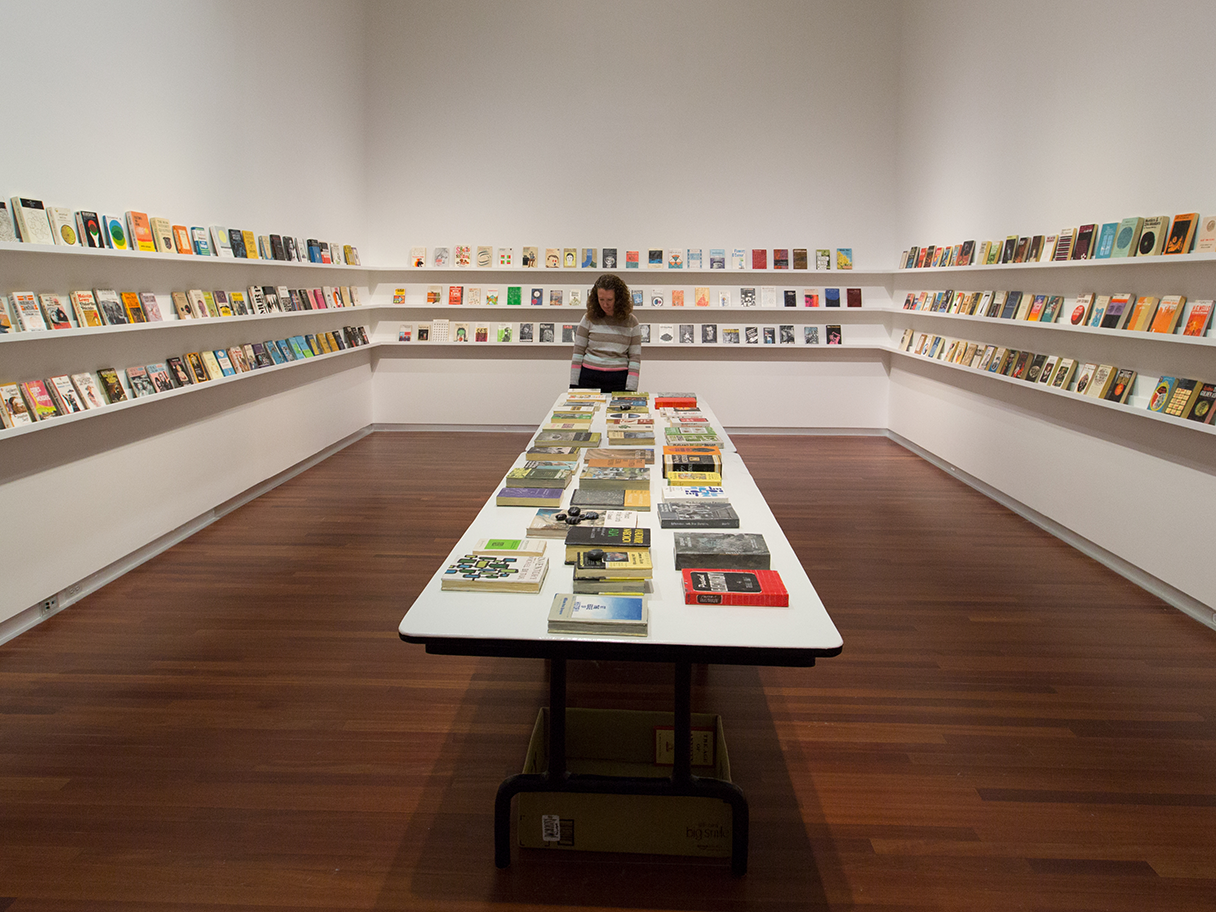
697, 516
276, 247
791, 297
237, 241
716, 550
289, 248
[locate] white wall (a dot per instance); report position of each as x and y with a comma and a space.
631, 123
1024, 118
243, 114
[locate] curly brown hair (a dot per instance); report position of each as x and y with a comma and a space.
624, 300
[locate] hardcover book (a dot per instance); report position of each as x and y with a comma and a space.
755, 588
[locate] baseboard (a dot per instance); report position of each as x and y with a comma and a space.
31, 617
1174, 597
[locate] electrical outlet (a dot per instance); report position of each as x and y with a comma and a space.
665, 746
45, 608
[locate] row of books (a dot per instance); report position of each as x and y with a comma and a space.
1144, 313
657, 333
694, 258
27, 312
1185, 398
36, 400
701, 296
1132, 237
31, 221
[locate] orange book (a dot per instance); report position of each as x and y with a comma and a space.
1168, 312
1142, 314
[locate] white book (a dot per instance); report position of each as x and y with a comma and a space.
63, 226
7, 232
694, 494
13, 406
220, 242
768, 296
114, 232
90, 392
31, 218
25, 312
162, 235
65, 394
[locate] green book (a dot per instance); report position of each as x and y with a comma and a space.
513, 296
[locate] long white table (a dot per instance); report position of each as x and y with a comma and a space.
514, 624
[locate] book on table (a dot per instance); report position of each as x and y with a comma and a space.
721, 550
610, 499
529, 497
583, 537
602, 615
697, 515
626, 563
759, 588
510, 547
484, 573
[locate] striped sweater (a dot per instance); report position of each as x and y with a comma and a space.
608, 346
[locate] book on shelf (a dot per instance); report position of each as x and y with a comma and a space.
1162, 391
598, 615
32, 222
1202, 402
1180, 397
54, 311
1117, 311
1153, 235
63, 226
24, 313
13, 409
89, 230
8, 231
1105, 243
1205, 240
752, 588
1198, 318
38, 400
1182, 233
1168, 313
720, 550
1142, 315
1100, 381
1121, 385
485, 573
114, 232
67, 400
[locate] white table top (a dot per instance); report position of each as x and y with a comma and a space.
519, 619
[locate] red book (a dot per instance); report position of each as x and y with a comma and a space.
756, 588
675, 400
759, 258
853, 297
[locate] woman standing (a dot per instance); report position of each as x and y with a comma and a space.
608, 340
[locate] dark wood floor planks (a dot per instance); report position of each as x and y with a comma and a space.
235, 725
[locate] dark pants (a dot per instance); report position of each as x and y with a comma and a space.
604, 381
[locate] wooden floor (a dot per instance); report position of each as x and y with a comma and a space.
236, 725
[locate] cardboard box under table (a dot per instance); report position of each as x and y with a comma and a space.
626, 743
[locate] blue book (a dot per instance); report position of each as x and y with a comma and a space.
600, 615
1106, 240
1012, 300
